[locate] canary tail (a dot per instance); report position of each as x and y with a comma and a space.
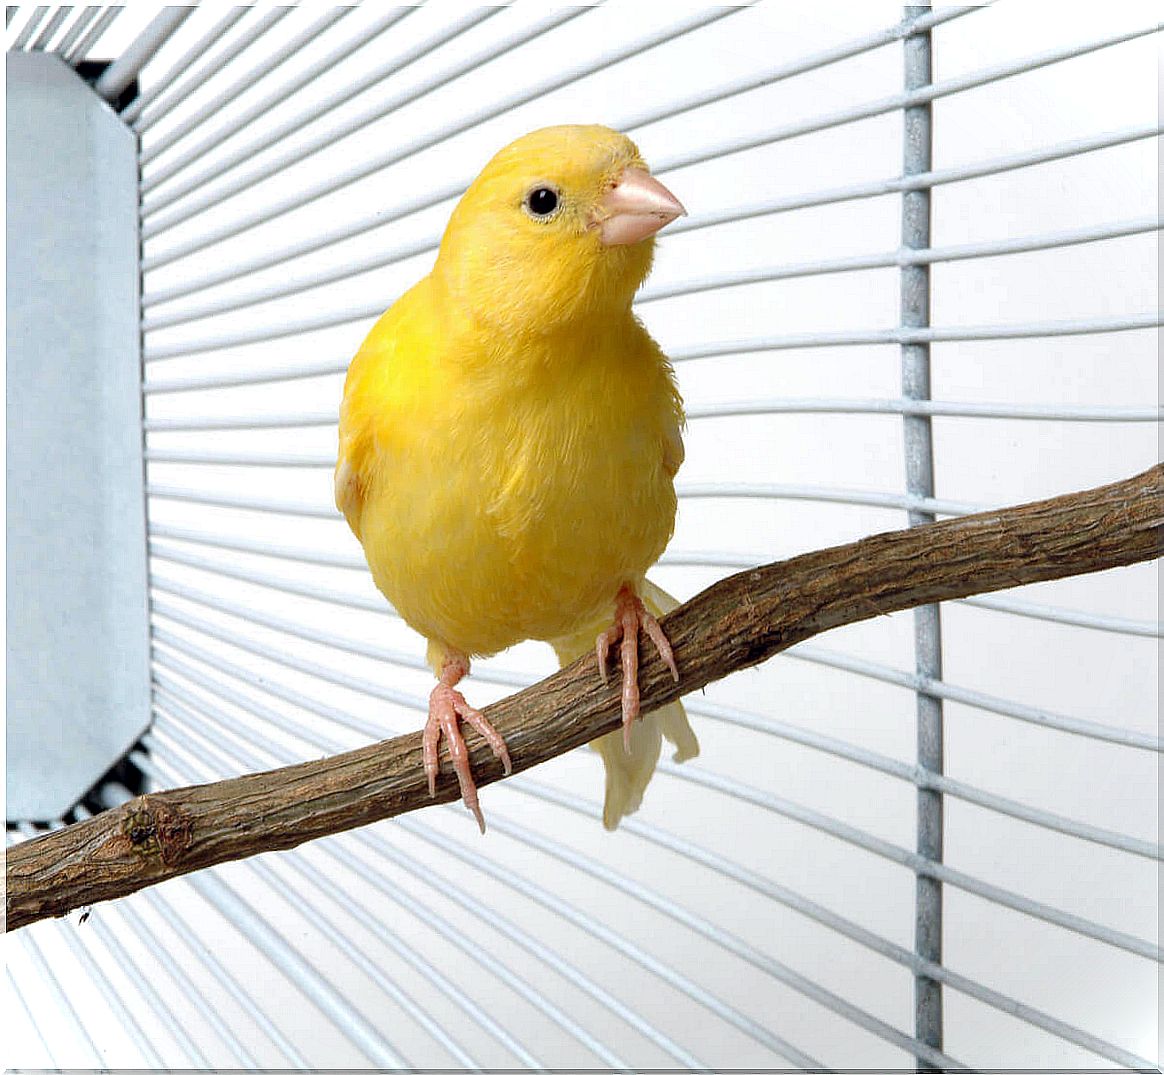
629, 772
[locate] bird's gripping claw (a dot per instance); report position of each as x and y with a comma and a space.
631, 616
446, 709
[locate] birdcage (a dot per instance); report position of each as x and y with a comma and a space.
918, 279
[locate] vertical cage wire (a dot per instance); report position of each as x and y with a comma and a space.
919, 481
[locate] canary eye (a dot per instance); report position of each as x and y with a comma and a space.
542, 202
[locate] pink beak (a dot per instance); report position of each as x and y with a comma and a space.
637, 207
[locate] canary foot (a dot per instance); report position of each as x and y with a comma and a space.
446, 709
631, 616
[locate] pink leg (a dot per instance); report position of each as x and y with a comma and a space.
446, 708
631, 616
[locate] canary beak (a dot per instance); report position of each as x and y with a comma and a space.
637, 207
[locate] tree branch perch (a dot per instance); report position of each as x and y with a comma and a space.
736, 623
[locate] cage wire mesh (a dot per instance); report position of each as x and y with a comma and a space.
846, 369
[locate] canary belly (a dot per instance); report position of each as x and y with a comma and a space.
506, 507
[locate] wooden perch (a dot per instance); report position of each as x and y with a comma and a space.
736, 623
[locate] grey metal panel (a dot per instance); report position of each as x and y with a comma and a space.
78, 642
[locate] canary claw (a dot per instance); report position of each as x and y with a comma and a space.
446, 709
630, 617
602, 647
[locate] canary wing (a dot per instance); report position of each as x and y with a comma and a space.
363, 398
349, 486
673, 452
348, 495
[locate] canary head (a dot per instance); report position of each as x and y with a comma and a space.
558, 227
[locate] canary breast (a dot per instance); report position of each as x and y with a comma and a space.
510, 487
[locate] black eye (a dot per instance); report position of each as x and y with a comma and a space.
542, 201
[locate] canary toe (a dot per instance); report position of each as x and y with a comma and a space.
429, 744
443, 705
446, 709
602, 650
487, 732
662, 645
630, 617
629, 657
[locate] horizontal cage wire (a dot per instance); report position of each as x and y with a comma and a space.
919, 280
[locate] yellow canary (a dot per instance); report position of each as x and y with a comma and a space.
509, 435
